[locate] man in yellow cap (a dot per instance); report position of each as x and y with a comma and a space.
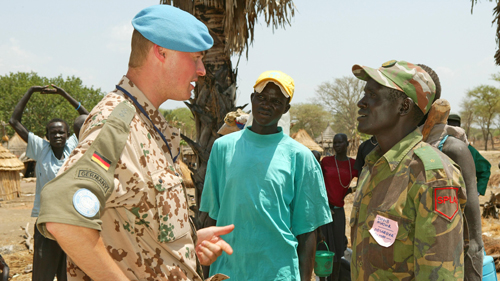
270, 187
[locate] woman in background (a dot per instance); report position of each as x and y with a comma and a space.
338, 171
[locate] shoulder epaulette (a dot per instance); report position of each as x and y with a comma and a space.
124, 111
430, 158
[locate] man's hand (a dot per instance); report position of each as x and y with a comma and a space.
210, 246
56, 90
40, 89
59, 91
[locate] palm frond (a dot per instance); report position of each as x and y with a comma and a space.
240, 17
496, 15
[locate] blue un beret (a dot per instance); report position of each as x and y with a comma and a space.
173, 28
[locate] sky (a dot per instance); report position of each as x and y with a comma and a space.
91, 40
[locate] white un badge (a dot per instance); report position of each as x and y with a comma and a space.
86, 203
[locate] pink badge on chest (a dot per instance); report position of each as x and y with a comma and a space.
384, 231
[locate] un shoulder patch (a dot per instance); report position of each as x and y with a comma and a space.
389, 63
86, 203
430, 158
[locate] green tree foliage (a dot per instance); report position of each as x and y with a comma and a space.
41, 108
341, 97
486, 105
181, 118
311, 117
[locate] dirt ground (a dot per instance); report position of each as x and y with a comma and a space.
15, 215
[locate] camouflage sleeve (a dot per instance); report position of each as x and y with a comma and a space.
78, 194
438, 242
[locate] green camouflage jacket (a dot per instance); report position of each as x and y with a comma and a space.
406, 222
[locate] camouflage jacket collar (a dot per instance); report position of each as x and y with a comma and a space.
155, 115
396, 154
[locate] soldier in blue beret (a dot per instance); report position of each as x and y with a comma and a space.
117, 208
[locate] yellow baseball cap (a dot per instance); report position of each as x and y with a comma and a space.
279, 78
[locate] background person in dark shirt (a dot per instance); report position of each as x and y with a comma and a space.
366, 147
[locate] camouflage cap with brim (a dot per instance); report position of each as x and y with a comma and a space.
406, 77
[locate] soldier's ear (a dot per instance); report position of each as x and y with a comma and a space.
406, 106
159, 52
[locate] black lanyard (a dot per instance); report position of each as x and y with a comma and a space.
147, 115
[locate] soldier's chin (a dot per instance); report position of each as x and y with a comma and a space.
363, 130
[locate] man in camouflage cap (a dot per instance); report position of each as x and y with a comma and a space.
407, 213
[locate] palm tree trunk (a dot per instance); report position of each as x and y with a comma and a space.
214, 95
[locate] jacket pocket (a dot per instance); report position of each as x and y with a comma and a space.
399, 256
171, 206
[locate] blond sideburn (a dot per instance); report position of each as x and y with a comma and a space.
140, 49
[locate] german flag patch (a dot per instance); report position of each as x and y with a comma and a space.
101, 160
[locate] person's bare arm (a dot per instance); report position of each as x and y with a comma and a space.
459, 152
306, 251
60, 91
86, 249
15, 119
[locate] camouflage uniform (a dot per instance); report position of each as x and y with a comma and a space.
144, 224
409, 185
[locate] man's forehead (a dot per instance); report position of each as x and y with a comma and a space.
194, 54
272, 89
373, 85
340, 138
56, 125
370, 83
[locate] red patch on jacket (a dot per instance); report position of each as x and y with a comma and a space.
446, 201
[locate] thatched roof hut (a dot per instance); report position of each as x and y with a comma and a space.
303, 137
10, 179
325, 140
326, 136
17, 145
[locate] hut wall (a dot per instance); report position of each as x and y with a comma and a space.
10, 185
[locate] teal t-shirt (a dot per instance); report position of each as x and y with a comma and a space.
272, 189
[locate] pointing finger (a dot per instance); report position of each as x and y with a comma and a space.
223, 230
